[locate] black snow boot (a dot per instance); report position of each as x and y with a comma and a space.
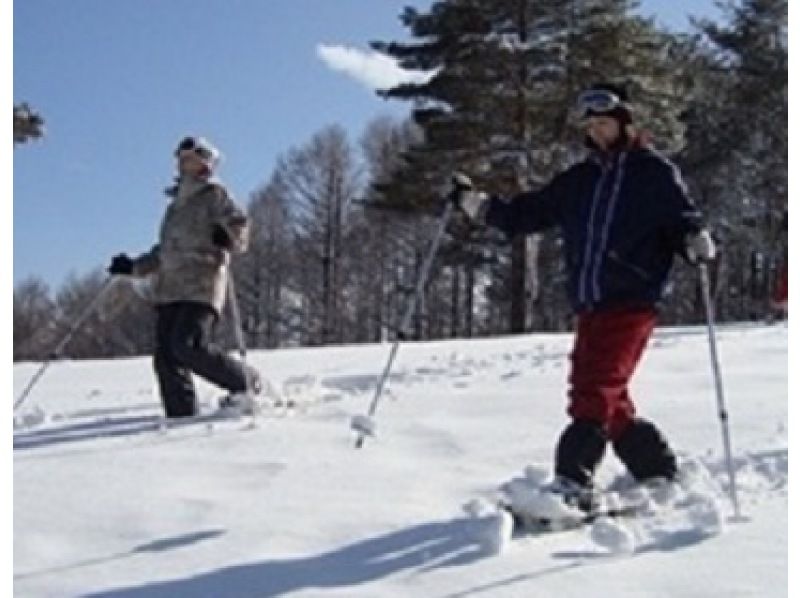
580, 450
645, 452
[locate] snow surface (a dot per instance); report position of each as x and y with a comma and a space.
108, 502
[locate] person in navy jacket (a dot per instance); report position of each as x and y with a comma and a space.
623, 213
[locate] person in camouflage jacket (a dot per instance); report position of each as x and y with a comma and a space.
189, 269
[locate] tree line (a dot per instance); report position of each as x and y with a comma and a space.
340, 227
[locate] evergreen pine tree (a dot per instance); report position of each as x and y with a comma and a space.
499, 107
737, 155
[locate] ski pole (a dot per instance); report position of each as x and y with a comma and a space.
363, 424
722, 411
68, 337
241, 346
238, 333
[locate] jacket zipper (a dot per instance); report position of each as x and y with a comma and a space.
583, 278
625, 264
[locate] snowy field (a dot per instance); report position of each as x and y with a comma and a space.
109, 503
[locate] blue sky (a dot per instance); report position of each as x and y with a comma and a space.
120, 82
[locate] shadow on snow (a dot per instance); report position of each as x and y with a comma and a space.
107, 427
423, 547
156, 546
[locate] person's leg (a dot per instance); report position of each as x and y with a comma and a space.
645, 451
191, 344
638, 442
582, 443
174, 380
622, 411
608, 345
579, 451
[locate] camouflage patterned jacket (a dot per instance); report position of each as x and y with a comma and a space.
186, 265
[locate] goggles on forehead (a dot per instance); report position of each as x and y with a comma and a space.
192, 144
598, 101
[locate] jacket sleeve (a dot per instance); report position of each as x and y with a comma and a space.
528, 212
147, 263
683, 218
228, 215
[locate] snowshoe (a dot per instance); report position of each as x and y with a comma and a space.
237, 404
560, 504
585, 498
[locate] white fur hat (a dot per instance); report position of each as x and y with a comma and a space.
201, 148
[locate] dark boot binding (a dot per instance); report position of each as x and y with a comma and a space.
580, 450
645, 452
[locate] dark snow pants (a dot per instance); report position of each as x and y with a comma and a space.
608, 345
183, 346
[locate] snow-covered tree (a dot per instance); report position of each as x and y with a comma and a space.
736, 158
499, 106
28, 125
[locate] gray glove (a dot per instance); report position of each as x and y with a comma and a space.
700, 247
471, 202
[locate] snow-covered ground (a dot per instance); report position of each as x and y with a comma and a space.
108, 503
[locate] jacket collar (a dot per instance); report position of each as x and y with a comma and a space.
186, 187
641, 141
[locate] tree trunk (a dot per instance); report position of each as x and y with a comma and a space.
517, 284
454, 301
470, 292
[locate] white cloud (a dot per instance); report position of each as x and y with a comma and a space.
370, 68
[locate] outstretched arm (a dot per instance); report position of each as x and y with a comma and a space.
524, 213
528, 212
139, 267
147, 263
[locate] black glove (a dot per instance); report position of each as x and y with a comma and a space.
221, 238
121, 264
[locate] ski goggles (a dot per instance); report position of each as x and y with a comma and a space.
192, 144
598, 101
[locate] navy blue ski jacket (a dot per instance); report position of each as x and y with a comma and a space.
622, 219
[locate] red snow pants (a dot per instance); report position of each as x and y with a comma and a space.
608, 345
